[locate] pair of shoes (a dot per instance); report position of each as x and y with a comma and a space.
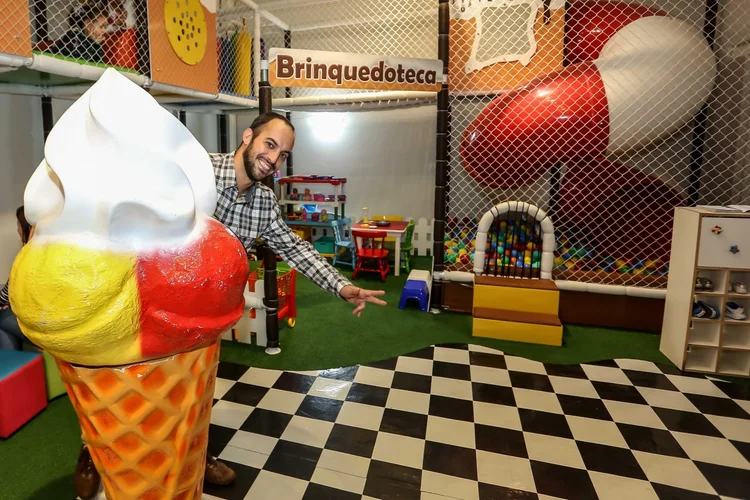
703, 285
218, 473
734, 311
703, 310
737, 287
86, 478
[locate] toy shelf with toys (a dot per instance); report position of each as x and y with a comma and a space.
335, 200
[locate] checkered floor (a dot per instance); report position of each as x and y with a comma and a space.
458, 421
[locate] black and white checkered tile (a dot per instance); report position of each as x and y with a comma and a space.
468, 422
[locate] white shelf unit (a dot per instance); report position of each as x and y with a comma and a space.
702, 244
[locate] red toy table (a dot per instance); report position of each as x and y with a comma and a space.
396, 229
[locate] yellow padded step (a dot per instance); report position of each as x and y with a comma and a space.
517, 326
533, 300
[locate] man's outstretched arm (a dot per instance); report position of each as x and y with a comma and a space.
303, 257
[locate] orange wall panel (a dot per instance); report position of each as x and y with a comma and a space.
15, 27
166, 65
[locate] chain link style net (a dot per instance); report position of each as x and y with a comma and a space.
103, 32
605, 115
384, 27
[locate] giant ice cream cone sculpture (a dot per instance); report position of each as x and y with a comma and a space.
130, 283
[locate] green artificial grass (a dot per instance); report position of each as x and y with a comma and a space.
38, 461
327, 335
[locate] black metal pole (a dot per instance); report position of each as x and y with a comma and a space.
441, 154
183, 117
287, 45
288, 93
701, 121
270, 286
223, 122
47, 118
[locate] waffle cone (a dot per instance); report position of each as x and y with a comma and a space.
146, 424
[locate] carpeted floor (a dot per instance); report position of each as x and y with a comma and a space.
38, 461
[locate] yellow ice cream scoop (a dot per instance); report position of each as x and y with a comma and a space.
79, 304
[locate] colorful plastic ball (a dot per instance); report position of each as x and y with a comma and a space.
537, 255
558, 261
536, 265
569, 264
492, 262
462, 251
451, 258
464, 259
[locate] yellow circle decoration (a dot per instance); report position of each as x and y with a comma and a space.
186, 29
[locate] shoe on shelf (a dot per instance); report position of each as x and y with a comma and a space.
703, 285
739, 287
734, 311
703, 310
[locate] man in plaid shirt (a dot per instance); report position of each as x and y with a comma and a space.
251, 211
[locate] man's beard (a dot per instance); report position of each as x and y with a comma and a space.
249, 160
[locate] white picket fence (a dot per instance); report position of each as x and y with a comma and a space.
422, 239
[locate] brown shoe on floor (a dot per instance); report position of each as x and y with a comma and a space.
86, 477
218, 473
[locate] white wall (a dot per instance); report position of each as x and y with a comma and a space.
387, 157
21, 143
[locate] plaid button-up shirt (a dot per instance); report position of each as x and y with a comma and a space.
256, 214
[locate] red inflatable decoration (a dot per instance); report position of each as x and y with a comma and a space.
628, 213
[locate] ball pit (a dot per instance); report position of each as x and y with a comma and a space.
520, 246
514, 243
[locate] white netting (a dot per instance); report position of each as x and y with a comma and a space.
598, 120
104, 32
384, 27
235, 48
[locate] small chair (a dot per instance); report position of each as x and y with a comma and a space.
407, 247
342, 244
371, 249
417, 288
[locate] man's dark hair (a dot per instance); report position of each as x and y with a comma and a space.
265, 118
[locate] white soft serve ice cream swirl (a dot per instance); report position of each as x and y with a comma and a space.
120, 171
